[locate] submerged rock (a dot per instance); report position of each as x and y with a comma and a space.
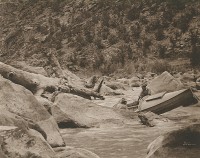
151, 119
70, 152
184, 143
121, 104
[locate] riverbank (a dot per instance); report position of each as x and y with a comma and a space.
59, 116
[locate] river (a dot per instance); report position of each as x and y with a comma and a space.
121, 142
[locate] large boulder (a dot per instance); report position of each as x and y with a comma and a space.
73, 79
45, 102
198, 83
134, 80
121, 104
62, 119
10, 119
123, 80
20, 101
70, 152
184, 143
115, 85
164, 82
105, 90
17, 142
83, 112
90, 83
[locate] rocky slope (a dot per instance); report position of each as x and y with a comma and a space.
100, 35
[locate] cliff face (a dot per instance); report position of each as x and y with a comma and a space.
101, 35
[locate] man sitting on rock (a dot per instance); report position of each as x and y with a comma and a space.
145, 91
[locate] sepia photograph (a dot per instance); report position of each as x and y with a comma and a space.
99, 78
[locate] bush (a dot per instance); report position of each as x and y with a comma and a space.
161, 51
195, 56
112, 39
178, 4
133, 14
105, 33
182, 21
135, 29
98, 43
159, 67
159, 35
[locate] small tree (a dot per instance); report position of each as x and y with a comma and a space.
195, 54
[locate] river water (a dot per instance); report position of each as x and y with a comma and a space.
119, 142
129, 142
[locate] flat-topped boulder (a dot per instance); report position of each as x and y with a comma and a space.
83, 112
21, 102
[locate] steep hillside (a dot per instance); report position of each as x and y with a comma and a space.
100, 35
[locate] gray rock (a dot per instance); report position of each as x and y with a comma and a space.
83, 112
17, 142
184, 143
70, 152
21, 102
164, 82
150, 119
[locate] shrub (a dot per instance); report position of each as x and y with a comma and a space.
159, 34
160, 66
133, 14
178, 4
105, 19
195, 56
88, 36
161, 51
112, 39
135, 29
153, 25
105, 33
98, 43
182, 21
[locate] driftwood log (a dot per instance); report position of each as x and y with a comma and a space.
37, 83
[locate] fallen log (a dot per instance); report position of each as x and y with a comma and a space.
85, 93
38, 84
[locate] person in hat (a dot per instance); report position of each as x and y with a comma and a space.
145, 91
